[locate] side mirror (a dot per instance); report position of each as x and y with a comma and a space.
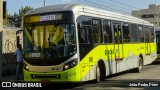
18, 41
19, 31
17, 36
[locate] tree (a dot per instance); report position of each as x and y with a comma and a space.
17, 18
7, 20
22, 12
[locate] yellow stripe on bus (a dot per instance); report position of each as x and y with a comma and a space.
29, 36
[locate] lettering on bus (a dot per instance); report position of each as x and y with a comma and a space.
47, 17
51, 17
107, 52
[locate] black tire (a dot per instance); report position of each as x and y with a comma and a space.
100, 73
97, 74
140, 65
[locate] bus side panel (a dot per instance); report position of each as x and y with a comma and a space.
153, 47
139, 49
129, 60
88, 63
108, 55
152, 56
126, 60
129, 54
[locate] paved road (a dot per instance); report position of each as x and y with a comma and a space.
148, 79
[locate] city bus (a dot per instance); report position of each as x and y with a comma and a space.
72, 43
157, 29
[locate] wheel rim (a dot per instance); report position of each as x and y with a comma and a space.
98, 74
140, 65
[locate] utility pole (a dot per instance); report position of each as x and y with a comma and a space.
1, 26
44, 3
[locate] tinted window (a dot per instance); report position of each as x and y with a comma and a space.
150, 15
84, 29
152, 34
134, 33
140, 33
96, 31
117, 32
126, 32
144, 16
107, 32
146, 33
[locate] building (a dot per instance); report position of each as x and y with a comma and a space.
151, 14
8, 45
1, 25
1, 13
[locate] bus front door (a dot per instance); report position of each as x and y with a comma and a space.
118, 44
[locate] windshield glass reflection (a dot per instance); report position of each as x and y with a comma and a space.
51, 41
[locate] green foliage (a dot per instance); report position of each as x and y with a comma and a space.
16, 18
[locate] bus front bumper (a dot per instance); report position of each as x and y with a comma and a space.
68, 76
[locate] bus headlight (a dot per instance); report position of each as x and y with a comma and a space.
70, 64
25, 67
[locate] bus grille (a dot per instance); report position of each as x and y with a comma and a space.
44, 63
46, 76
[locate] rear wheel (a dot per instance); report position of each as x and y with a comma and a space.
97, 74
140, 65
102, 72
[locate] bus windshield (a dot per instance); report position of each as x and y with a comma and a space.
49, 41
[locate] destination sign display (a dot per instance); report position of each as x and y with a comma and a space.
51, 17
41, 18
47, 17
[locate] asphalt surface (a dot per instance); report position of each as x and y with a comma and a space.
148, 79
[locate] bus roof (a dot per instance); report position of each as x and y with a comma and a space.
52, 8
88, 9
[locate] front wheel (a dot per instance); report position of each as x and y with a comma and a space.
100, 72
97, 74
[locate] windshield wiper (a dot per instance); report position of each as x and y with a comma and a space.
30, 38
51, 44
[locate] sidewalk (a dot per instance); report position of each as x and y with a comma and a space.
10, 78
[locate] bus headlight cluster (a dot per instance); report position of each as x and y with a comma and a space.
70, 64
25, 66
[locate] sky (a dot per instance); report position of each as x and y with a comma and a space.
121, 6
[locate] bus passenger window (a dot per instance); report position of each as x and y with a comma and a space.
141, 34
146, 34
107, 32
134, 33
126, 33
85, 34
117, 33
96, 31
84, 30
152, 35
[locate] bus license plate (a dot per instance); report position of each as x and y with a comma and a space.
34, 55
